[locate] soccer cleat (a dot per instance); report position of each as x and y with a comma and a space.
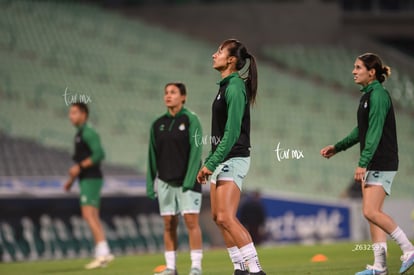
407, 261
240, 272
101, 261
168, 272
261, 272
371, 270
195, 271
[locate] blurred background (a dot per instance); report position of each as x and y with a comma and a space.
118, 55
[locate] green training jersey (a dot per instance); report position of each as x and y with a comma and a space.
376, 131
230, 124
88, 144
174, 153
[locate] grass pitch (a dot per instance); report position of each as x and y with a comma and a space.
292, 259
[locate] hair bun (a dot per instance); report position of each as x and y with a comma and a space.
386, 70
373, 61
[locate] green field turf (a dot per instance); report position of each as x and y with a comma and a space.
290, 260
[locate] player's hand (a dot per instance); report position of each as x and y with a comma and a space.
203, 174
74, 171
328, 151
359, 175
151, 194
68, 185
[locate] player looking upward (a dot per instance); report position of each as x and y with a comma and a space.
229, 160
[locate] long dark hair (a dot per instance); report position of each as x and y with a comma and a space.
373, 61
238, 50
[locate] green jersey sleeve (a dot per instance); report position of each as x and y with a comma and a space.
194, 159
152, 165
236, 102
348, 141
91, 138
380, 103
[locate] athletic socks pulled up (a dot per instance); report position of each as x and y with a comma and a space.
380, 255
250, 257
236, 258
401, 239
196, 257
170, 259
102, 249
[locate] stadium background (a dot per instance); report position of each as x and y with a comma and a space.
119, 55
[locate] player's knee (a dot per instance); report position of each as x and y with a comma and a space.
87, 215
170, 224
191, 223
370, 214
223, 220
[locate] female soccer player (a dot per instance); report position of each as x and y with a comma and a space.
229, 159
88, 156
174, 159
378, 163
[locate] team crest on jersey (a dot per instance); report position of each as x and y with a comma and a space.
162, 127
218, 97
181, 127
365, 104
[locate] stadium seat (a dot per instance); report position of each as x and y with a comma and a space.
12, 249
31, 238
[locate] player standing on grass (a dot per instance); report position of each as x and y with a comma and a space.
378, 163
229, 159
174, 159
88, 156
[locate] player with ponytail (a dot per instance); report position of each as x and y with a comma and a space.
378, 162
229, 159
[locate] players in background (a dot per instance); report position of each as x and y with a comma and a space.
378, 162
229, 159
173, 162
88, 156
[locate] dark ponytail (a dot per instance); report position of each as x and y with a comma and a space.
373, 61
238, 50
